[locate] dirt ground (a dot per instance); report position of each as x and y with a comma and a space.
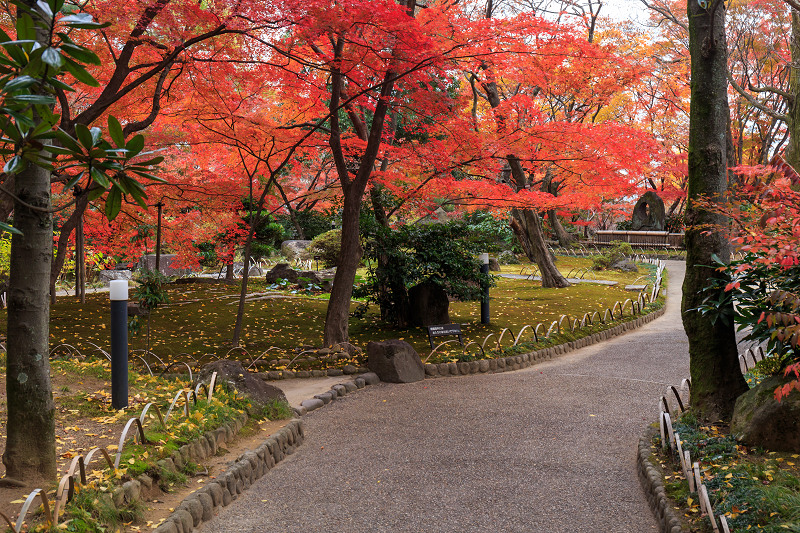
77, 434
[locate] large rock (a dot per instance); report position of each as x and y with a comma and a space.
395, 361
292, 250
494, 265
429, 305
760, 420
649, 213
106, 276
323, 278
165, 264
236, 376
626, 265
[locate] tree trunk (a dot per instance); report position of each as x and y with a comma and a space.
713, 360
69, 225
229, 271
793, 111
527, 225
562, 235
30, 453
237, 328
338, 313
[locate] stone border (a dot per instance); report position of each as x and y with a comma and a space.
276, 375
516, 362
197, 450
199, 506
653, 487
337, 391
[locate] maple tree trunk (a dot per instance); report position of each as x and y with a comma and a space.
69, 225
229, 271
713, 359
793, 112
563, 236
338, 313
527, 226
248, 244
30, 454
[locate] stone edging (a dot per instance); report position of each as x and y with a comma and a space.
516, 362
199, 506
197, 450
653, 488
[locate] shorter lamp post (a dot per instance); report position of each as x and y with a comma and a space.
484, 258
119, 343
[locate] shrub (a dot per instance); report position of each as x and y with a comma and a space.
617, 252
326, 247
507, 257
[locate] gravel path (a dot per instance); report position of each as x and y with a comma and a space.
549, 449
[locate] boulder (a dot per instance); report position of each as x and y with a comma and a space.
323, 278
428, 304
165, 265
649, 213
626, 265
106, 276
395, 361
236, 376
494, 265
760, 420
294, 249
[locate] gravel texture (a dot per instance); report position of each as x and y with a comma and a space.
551, 448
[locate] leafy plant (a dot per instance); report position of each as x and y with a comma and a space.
326, 247
150, 293
618, 251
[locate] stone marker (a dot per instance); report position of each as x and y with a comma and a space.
395, 361
236, 376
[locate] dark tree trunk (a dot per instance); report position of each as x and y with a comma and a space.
527, 225
30, 453
237, 328
338, 313
793, 112
562, 235
713, 359
229, 271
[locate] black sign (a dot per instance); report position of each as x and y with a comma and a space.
444, 330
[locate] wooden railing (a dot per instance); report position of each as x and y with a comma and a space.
642, 238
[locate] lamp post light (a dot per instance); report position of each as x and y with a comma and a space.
119, 343
484, 258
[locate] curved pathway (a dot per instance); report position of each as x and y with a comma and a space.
551, 448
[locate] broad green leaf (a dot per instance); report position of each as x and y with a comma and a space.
26, 30
52, 57
77, 18
84, 136
74, 181
96, 134
135, 145
149, 176
10, 229
150, 162
14, 165
79, 72
115, 130
36, 99
45, 9
80, 53
113, 203
68, 142
99, 178
16, 84
58, 84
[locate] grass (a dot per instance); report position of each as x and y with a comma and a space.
755, 490
200, 318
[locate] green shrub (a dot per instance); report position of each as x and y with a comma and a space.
617, 252
326, 247
507, 257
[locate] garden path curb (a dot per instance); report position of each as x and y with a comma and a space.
200, 506
653, 487
517, 362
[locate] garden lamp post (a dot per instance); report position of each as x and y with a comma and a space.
119, 343
484, 257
